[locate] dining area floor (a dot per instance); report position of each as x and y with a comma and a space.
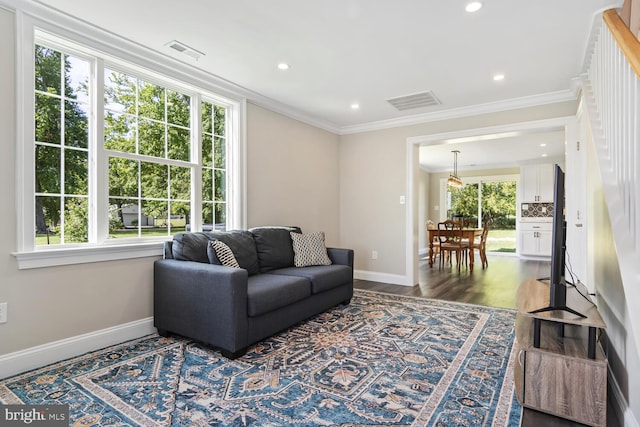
494, 286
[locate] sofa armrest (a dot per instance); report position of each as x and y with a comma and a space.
206, 302
341, 256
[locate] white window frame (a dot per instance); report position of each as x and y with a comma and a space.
132, 58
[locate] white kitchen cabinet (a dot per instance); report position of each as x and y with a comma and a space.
537, 183
534, 239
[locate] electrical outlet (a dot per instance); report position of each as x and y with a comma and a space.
3, 312
374, 254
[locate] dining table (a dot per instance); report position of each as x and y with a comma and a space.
468, 233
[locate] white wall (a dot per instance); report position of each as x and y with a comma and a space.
293, 175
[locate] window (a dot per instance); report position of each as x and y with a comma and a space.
157, 155
147, 137
61, 147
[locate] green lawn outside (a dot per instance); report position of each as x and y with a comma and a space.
54, 239
501, 241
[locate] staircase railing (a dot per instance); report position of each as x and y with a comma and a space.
611, 91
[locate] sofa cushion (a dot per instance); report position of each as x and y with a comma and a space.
268, 292
224, 254
274, 247
322, 278
243, 247
190, 247
309, 249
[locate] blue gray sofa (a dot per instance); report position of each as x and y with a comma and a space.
231, 308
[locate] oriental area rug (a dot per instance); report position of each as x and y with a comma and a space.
382, 360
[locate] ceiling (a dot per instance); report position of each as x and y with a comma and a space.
342, 52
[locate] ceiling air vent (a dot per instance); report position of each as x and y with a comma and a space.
183, 48
417, 100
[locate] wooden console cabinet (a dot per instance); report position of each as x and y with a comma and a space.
561, 368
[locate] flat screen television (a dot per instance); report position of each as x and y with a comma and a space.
557, 281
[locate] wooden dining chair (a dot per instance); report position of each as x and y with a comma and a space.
481, 245
450, 237
435, 245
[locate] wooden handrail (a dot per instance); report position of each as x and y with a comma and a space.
628, 43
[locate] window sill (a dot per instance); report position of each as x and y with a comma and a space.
82, 255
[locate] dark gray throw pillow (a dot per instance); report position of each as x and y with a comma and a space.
274, 246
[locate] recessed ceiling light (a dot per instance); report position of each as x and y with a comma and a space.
474, 6
498, 77
283, 66
355, 106
544, 155
543, 145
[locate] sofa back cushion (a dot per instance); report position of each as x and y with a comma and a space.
194, 246
190, 247
274, 247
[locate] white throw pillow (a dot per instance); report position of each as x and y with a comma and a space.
309, 249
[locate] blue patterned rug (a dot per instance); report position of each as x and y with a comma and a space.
382, 360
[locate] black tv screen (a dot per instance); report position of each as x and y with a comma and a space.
558, 289
557, 282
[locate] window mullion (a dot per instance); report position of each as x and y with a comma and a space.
99, 163
196, 157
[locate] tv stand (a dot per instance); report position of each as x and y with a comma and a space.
561, 368
562, 308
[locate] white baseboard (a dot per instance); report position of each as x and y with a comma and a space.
394, 279
35, 357
619, 403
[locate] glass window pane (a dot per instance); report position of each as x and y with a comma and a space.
48, 70
123, 177
221, 216
151, 101
76, 172
219, 153
180, 183
180, 213
207, 150
220, 121
76, 78
178, 108
123, 215
154, 213
119, 92
47, 220
207, 185
76, 220
220, 185
207, 214
47, 169
207, 119
47, 119
76, 124
120, 132
151, 138
154, 179
179, 144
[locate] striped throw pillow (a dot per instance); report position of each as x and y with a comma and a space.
224, 254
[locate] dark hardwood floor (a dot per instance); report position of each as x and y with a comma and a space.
494, 286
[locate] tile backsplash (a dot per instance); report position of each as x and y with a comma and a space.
536, 210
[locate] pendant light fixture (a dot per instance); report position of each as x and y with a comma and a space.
454, 180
